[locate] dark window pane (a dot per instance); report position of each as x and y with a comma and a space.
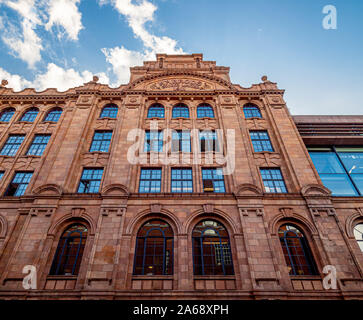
154, 249
211, 249
68, 256
296, 250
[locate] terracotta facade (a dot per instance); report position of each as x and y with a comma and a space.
31, 225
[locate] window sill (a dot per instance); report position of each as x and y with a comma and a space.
252, 118
62, 277
305, 277
205, 118
226, 277
155, 118
106, 118
48, 121
152, 277
30, 156
24, 121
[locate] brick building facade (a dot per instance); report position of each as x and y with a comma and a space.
74, 206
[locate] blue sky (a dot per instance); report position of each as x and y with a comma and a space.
62, 43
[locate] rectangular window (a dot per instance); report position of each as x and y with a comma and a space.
208, 141
19, 184
101, 141
181, 180
261, 141
332, 172
90, 180
38, 145
180, 141
213, 180
12, 145
150, 180
340, 169
273, 180
153, 141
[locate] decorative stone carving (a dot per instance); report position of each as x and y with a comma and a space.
180, 85
208, 208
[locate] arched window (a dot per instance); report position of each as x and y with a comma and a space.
205, 111
211, 249
7, 114
68, 256
109, 111
358, 234
251, 111
181, 111
30, 115
298, 256
154, 249
54, 115
156, 111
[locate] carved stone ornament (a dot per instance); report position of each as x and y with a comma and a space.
180, 85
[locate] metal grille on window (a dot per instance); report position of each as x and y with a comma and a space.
273, 180
251, 111
54, 115
101, 141
30, 115
156, 111
153, 141
181, 180
297, 252
213, 180
7, 114
109, 111
261, 141
68, 257
90, 180
12, 145
181, 111
38, 145
154, 249
150, 180
19, 184
211, 249
205, 111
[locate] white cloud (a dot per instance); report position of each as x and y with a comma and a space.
122, 59
54, 77
23, 40
65, 13
137, 16
15, 81
25, 44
